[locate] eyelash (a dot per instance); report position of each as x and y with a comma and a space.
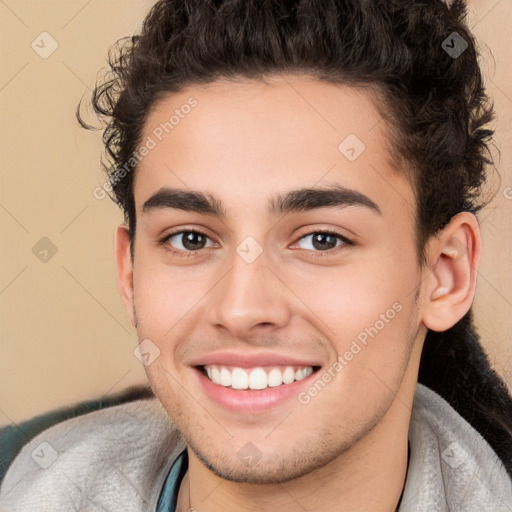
321, 254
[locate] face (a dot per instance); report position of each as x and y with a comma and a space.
308, 298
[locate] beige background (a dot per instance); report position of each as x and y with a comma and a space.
64, 333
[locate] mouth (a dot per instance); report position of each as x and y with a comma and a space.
256, 379
252, 390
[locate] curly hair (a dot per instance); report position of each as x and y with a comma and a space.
433, 101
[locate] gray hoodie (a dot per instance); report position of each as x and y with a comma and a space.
117, 459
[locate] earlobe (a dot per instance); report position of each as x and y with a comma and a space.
450, 287
124, 267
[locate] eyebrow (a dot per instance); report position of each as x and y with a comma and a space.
298, 200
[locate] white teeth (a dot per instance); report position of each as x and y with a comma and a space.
215, 375
239, 379
274, 378
225, 377
302, 373
256, 378
288, 375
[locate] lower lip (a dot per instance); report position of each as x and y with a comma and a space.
248, 400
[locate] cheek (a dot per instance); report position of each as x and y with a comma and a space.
368, 312
348, 299
164, 309
165, 296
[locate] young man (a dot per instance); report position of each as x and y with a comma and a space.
299, 258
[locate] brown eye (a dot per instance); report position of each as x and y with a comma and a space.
323, 241
186, 241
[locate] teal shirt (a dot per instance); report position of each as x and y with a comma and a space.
169, 494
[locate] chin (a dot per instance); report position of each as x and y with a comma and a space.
272, 468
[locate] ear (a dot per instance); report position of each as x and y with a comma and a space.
124, 266
453, 257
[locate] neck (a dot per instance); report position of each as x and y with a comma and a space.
369, 476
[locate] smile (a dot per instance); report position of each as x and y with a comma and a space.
255, 378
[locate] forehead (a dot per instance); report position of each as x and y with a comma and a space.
250, 138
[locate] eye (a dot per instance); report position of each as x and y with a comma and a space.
187, 241
322, 241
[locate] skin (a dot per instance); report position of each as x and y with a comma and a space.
347, 448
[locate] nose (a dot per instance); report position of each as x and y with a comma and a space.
250, 299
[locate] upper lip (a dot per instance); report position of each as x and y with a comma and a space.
252, 360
